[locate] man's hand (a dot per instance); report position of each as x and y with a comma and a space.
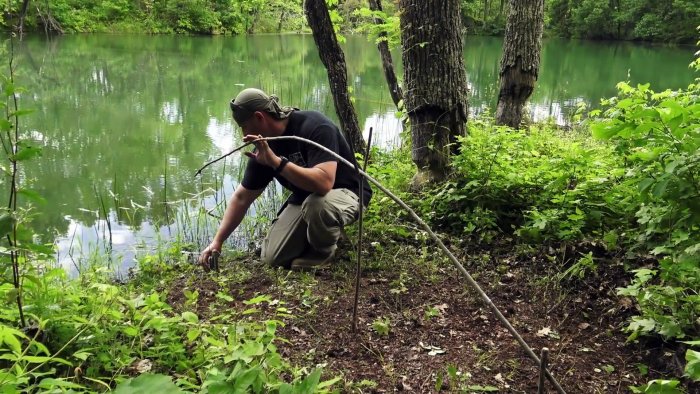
263, 154
207, 252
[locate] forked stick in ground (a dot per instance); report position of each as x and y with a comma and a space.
470, 280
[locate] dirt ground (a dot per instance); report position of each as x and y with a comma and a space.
420, 329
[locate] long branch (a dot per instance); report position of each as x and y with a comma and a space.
470, 280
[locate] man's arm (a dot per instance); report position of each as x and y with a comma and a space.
317, 179
237, 207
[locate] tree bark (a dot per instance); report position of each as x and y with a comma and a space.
333, 59
520, 62
435, 85
22, 17
387, 61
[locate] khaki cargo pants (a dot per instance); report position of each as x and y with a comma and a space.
315, 224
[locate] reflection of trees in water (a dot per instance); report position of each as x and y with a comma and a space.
117, 113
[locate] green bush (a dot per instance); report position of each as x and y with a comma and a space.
658, 135
543, 184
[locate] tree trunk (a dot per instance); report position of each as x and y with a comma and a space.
520, 63
22, 17
486, 12
333, 58
387, 61
435, 81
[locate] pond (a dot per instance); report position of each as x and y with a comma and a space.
124, 121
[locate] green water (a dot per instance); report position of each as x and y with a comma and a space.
124, 121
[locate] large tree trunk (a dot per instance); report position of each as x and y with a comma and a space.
333, 58
435, 94
387, 61
520, 63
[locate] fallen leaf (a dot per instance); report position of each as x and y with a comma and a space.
544, 332
583, 326
441, 308
142, 366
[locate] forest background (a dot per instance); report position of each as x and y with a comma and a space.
671, 21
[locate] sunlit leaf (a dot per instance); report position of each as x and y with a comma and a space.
692, 366
148, 384
27, 152
190, 317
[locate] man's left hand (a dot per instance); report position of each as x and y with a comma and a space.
263, 154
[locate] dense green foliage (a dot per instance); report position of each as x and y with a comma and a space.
647, 20
658, 134
90, 334
640, 193
170, 16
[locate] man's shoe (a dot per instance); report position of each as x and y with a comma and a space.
313, 260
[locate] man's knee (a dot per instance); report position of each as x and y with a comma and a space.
272, 259
317, 208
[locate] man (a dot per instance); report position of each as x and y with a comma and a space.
324, 191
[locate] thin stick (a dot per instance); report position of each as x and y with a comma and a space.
230, 153
358, 271
543, 367
470, 280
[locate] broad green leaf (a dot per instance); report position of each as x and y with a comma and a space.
245, 380
190, 317
253, 348
50, 383
329, 382
9, 88
82, 355
32, 195
131, 331
605, 131
22, 112
27, 152
670, 109
148, 384
193, 334
5, 125
220, 388
310, 383
7, 221
11, 341
645, 127
643, 325
43, 359
286, 388
658, 386
659, 189
692, 367
258, 300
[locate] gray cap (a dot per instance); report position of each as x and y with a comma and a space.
251, 100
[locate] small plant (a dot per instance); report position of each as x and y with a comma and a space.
382, 326
584, 266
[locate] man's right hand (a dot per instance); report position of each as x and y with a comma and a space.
206, 253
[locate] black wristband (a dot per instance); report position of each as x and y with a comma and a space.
280, 167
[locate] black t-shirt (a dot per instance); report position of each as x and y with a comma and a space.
316, 127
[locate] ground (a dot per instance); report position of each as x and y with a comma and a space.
420, 329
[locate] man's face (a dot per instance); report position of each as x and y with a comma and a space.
254, 125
